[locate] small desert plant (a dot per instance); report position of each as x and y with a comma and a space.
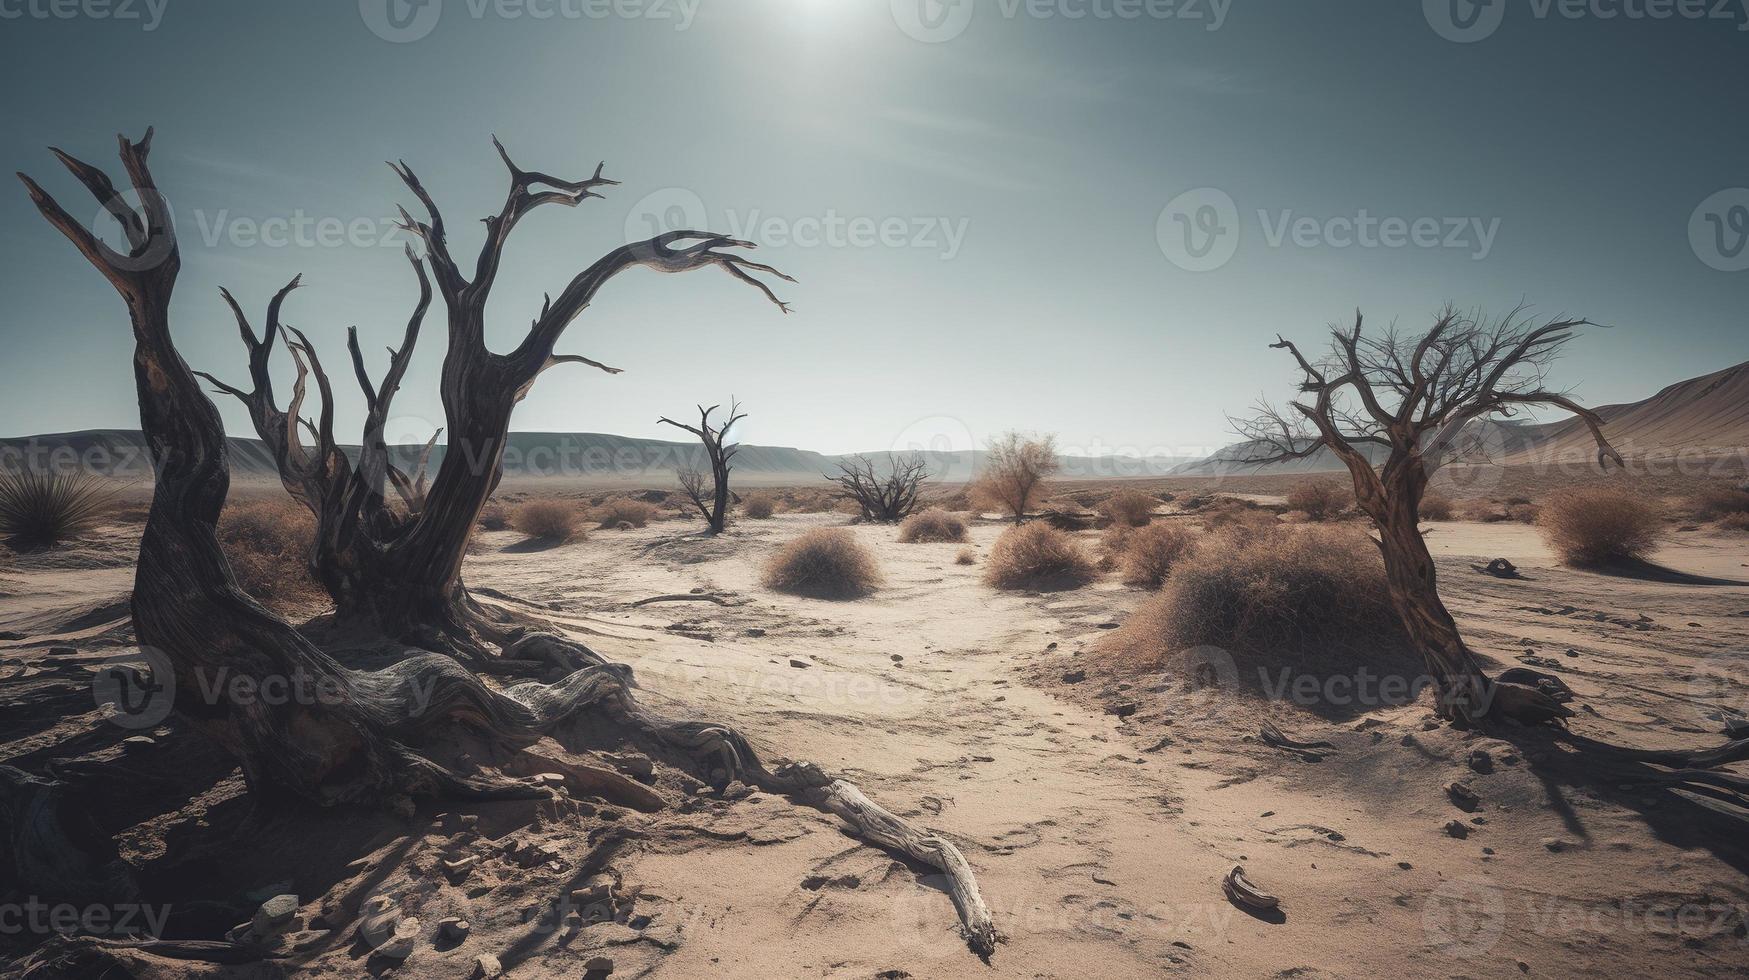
1720, 502
623, 510
825, 563
547, 520
1037, 556
1150, 553
268, 545
494, 517
1014, 472
932, 525
966, 556
1483, 511
38, 508
1735, 522
1436, 508
1319, 499
1525, 513
957, 500
1289, 596
1128, 507
1600, 526
758, 506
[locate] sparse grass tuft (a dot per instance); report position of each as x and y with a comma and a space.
1319, 500
1037, 556
966, 556
38, 508
623, 510
932, 525
825, 563
1436, 508
1599, 526
758, 506
1150, 553
547, 520
1129, 507
1720, 502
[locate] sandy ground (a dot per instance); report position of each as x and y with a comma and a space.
1099, 813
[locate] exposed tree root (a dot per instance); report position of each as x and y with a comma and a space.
683, 597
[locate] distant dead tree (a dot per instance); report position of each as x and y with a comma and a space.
372, 737
1014, 471
888, 495
397, 571
712, 499
1412, 400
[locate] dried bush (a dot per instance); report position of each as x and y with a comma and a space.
547, 520
1305, 597
1483, 511
1435, 507
1014, 472
1037, 556
1525, 513
931, 525
623, 510
495, 517
268, 544
38, 508
1720, 502
1734, 522
825, 563
957, 500
1128, 507
966, 556
1598, 526
758, 506
1150, 553
1319, 500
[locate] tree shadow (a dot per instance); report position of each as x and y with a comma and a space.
1641, 570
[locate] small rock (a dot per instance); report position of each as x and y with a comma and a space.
274, 914
454, 929
1556, 844
1074, 677
1405, 865
1123, 709
598, 964
1457, 828
1463, 797
801, 662
487, 967
1481, 761
400, 943
753, 631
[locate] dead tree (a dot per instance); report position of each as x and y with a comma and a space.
397, 571
1013, 474
1412, 399
364, 736
888, 496
712, 501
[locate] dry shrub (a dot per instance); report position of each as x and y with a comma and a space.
268, 544
39, 508
624, 510
931, 525
1014, 472
1484, 511
494, 517
1598, 526
1037, 556
1735, 522
825, 563
957, 500
1112, 541
547, 520
1719, 503
1436, 508
1319, 499
758, 506
966, 556
1151, 552
1309, 598
1525, 513
810, 501
1128, 507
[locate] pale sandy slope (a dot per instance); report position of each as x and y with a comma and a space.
1100, 843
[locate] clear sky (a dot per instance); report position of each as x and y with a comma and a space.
985, 204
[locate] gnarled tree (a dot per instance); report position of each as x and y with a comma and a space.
888, 495
1413, 402
398, 571
712, 501
367, 735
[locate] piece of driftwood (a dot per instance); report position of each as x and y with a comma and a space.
876, 824
1275, 738
683, 597
1241, 892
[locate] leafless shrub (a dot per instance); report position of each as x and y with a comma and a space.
966, 556
1151, 552
1525, 513
1598, 526
1720, 502
1014, 473
268, 544
886, 495
758, 506
39, 508
1735, 522
495, 517
932, 525
1319, 500
1436, 508
825, 563
547, 520
624, 510
1128, 507
1037, 556
1482, 511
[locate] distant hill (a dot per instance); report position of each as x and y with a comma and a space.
1702, 416
591, 456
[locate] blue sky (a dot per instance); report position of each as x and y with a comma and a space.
986, 208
